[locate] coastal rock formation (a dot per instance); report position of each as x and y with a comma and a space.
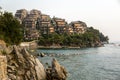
56, 72
19, 64
3, 68
23, 66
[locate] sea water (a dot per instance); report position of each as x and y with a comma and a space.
101, 63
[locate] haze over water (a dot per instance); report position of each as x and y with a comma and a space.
102, 63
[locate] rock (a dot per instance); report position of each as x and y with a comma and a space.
42, 54
12, 76
3, 68
23, 66
57, 72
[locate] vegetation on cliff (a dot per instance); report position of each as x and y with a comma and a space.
10, 29
91, 38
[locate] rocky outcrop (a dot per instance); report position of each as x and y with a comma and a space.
56, 72
3, 68
23, 66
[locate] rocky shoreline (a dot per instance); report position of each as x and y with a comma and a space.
21, 65
70, 47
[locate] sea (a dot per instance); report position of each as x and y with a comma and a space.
99, 63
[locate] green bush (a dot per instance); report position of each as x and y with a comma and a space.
3, 52
10, 29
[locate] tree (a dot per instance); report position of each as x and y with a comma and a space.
10, 29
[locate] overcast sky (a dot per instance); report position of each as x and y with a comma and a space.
101, 14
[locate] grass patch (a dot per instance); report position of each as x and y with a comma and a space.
3, 52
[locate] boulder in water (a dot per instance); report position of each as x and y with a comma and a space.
56, 72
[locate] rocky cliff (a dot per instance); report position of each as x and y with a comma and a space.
3, 68
21, 65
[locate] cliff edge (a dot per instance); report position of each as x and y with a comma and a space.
19, 64
23, 66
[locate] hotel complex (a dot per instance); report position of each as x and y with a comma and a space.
36, 23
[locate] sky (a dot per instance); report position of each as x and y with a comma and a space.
101, 14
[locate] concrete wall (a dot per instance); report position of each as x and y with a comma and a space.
29, 45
